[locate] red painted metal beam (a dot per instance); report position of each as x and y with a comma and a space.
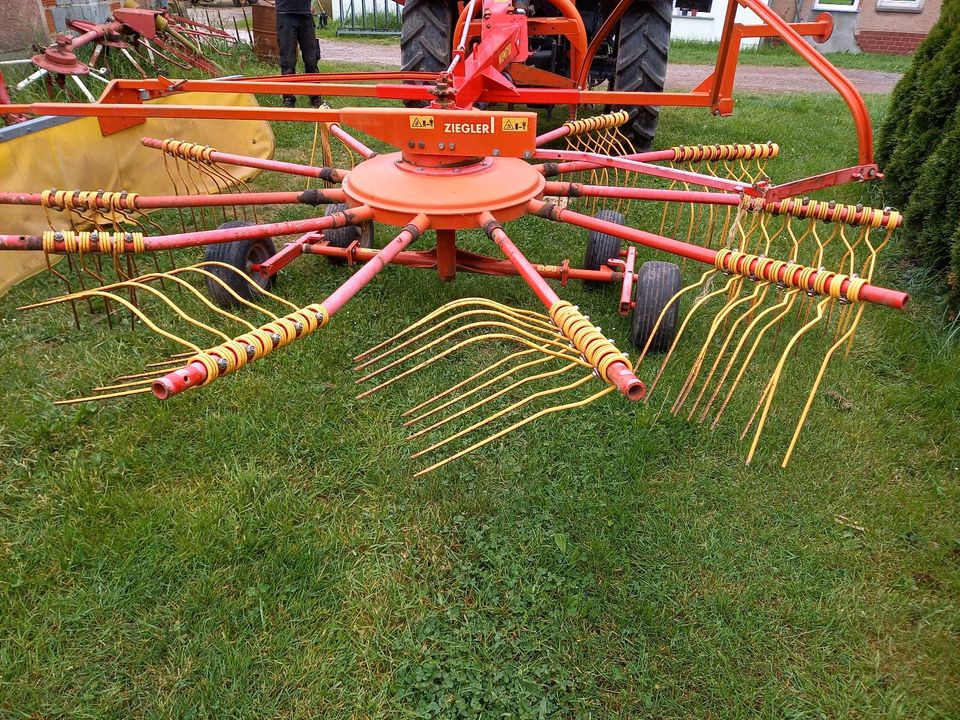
466, 262
330, 174
154, 202
195, 374
351, 216
846, 89
566, 189
645, 168
351, 142
868, 293
619, 373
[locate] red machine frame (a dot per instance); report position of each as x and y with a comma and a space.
448, 141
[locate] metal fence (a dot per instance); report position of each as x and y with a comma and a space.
369, 17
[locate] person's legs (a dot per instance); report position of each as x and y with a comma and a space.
310, 49
287, 40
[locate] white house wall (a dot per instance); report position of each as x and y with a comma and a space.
707, 28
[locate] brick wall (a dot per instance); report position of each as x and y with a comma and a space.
878, 30
22, 25
889, 43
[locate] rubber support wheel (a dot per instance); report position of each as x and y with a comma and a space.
601, 246
425, 38
656, 284
342, 237
239, 254
644, 40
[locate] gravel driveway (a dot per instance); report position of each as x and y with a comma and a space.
750, 78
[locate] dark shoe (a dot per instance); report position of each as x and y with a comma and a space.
316, 102
289, 102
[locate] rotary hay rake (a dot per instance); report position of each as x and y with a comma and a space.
144, 38
781, 271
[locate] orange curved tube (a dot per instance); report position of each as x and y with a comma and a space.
846, 89
578, 38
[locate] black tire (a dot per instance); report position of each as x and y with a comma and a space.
426, 38
601, 246
342, 237
657, 282
642, 47
239, 254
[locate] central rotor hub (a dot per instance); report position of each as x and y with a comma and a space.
452, 197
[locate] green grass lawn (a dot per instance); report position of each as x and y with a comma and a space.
689, 52
259, 548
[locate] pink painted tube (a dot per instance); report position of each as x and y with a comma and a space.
619, 373
195, 374
868, 293
351, 142
568, 189
594, 160
155, 202
329, 174
351, 216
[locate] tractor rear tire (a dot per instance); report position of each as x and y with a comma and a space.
426, 38
342, 237
601, 247
657, 283
239, 254
643, 44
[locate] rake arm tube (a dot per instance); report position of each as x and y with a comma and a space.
156, 202
329, 174
789, 274
594, 160
574, 190
846, 89
352, 216
219, 361
351, 142
612, 365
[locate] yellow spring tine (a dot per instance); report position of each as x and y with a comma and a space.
490, 398
167, 363
563, 344
683, 326
120, 386
546, 326
125, 393
462, 383
222, 284
816, 384
723, 348
445, 308
150, 374
253, 283
149, 323
478, 388
515, 426
656, 325
462, 344
786, 304
500, 413
767, 396
718, 320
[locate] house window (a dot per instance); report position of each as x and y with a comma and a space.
838, 5
699, 9
911, 6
